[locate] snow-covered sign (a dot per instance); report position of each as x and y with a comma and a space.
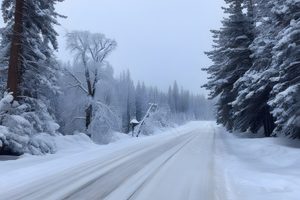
134, 121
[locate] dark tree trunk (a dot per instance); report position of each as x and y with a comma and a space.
88, 118
14, 68
269, 124
89, 109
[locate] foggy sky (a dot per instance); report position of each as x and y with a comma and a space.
159, 41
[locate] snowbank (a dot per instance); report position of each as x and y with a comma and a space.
260, 169
76, 142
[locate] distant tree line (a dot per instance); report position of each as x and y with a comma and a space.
116, 101
256, 67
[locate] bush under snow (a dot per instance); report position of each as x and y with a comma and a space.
26, 127
157, 121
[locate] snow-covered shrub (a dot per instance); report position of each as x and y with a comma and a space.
100, 131
104, 123
78, 142
41, 143
3, 133
155, 122
26, 127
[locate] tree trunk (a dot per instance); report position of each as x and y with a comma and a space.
88, 118
269, 124
14, 68
250, 9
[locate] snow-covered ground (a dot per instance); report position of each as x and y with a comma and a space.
195, 161
129, 168
256, 169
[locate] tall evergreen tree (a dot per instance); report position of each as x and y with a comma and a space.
34, 21
141, 101
255, 86
127, 98
27, 45
285, 96
231, 58
171, 100
175, 96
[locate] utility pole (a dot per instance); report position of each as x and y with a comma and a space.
152, 108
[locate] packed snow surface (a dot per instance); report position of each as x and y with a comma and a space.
256, 168
193, 162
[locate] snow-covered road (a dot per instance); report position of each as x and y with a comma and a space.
172, 166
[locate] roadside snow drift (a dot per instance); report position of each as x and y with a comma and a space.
257, 169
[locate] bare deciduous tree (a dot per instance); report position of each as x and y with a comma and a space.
90, 50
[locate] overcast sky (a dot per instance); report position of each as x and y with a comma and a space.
159, 41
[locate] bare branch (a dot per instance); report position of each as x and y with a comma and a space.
79, 83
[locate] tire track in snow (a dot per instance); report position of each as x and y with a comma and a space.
118, 175
144, 183
56, 187
188, 175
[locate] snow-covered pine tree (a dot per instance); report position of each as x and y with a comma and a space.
231, 58
141, 101
285, 99
184, 100
171, 102
255, 86
126, 92
175, 96
26, 49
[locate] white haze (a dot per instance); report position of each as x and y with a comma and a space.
159, 41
